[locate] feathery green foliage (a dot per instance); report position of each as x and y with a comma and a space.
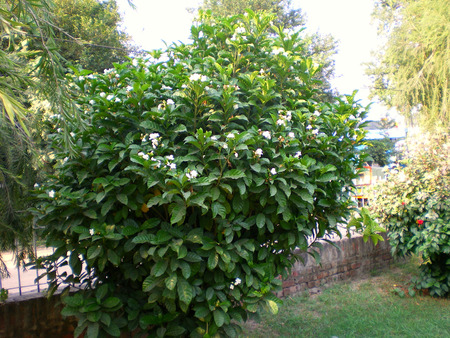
412, 72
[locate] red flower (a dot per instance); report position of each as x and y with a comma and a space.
403, 203
419, 221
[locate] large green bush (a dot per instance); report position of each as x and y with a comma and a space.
414, 205
199, 170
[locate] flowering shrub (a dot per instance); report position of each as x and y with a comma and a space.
414, 204
199, 170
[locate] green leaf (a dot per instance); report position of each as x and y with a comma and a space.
107, 206
233, 174
150, 283
90, 213
122, 198
112, 329
171, 281
160, 267
113, 257
92, 330
184, 289
326, 177
94, 252
273, 190
273, 307
213, 259
305, 195
219, 317
111, 302
178, 213
260, 220
218, 209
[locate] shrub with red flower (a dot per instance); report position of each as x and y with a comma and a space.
414, 193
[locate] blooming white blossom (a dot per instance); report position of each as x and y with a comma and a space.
204, 78
129, 88
164, 87
117, 99
36, 185
315, 131
183, 85
281, 122
170, 102
170, 157
316, 113
289, 115
240, 30
81, 78
192, 174
231, 135
153, 136
225, 146
65, 159
59, 130
231, 286
51, 193
236, 155
309, 127
298, 154
110, 97
91, 102
277, 50
237, 281
266, 134
236, 106
102, 94
215, 138
91, 232
273, 171
194, 77
172, 166
158, 162
143, 155
258, 152
155, 143
72, 134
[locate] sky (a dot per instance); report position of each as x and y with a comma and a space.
156, 22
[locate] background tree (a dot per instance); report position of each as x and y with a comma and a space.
320, 48
89, 33
412, 72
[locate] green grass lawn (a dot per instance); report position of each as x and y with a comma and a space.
363, 308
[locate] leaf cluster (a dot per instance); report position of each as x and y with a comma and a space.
200, 170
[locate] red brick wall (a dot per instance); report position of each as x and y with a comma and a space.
354, 259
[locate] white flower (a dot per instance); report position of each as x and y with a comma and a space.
277, 50
59, 130
309, 127
315, 131
81, 78
316, 113
291, 135
91, 232
231, 286
204, 78
215, 138
102, 94
164, 87
273, 171
192, 174
92, 102
153, 136
225, 146
184, 86
240, 30
110, 97
91, 76
154, 143
194, 77
266, 134
170, 102
230, 135
172, 166
298, 154
117, 99
289, 115
51, 193
281, 122
65, 159
236, 155
36, 185
170, 157
72, 134
236, 106
237, 281
258, 152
